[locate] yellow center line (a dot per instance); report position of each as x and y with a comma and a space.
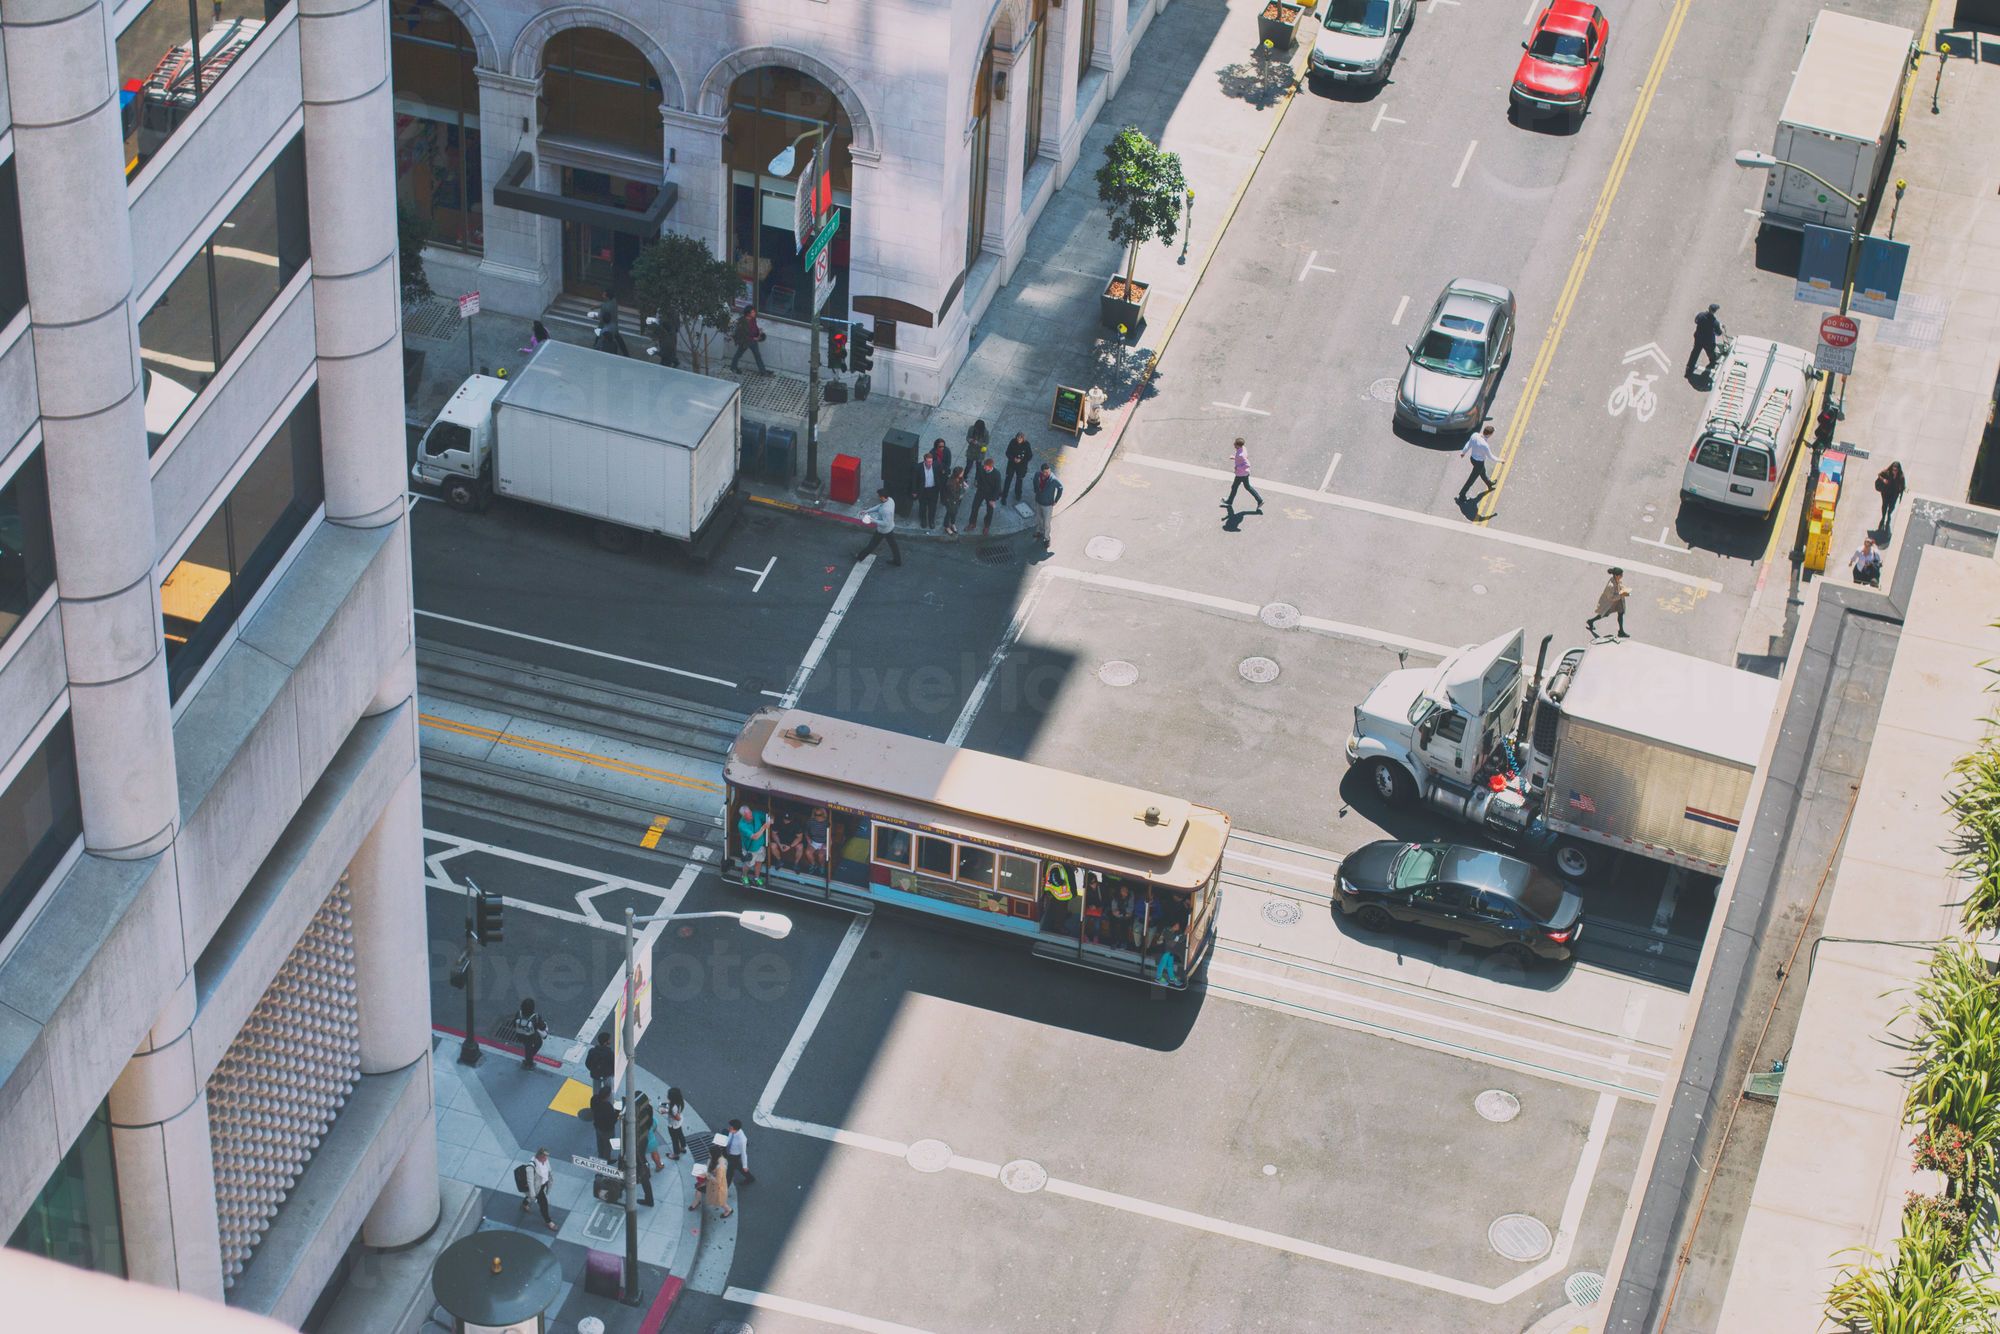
1545, 355
565, 753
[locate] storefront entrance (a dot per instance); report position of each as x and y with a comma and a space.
597, 259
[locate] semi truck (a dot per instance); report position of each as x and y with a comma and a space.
636, 446
1623, 747
1839, 120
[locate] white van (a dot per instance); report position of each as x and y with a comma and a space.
1755, 420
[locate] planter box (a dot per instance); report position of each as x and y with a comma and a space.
1278, 23
1123, 303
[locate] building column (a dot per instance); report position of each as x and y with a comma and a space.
696, 166
166, 1165
62, 78
357, 306
520, 268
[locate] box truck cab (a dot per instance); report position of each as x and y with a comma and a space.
456, 455
1755, 417
1427, 732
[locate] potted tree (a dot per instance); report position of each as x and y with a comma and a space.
1142, 188
683, 293
1278, 24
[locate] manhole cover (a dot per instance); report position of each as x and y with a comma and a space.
1584, 1288
1104, 548
1024, 1177
1118, 672
995, 553
1497, 1105
1281, 912
1383, 391
934, 1155
1279, 615
1258, 670
1479, 589
1519, 1237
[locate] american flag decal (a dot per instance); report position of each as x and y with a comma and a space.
1581, 801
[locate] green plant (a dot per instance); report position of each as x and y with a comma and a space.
677, 282
1975, 802
413, 231
1950, 1150
1925, 1289
1949, 1216
1143, 190
1956, 1080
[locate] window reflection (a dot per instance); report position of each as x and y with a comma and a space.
596, 85
41, 815
75, 1217
173, 55
770, 108
13, 265
432, 60
27, 553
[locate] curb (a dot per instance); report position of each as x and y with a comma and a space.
905, 535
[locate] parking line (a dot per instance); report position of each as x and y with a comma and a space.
1465, 162
1327, 480
1490, 534
578, 648
826, 1315
834, 617
1401, 306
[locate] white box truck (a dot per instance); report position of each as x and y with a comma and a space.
1839, 120
1628, 747
1749, 435
639, 447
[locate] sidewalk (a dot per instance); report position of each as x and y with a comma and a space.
1924, 383
1198, 86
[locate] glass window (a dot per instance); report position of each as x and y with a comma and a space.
975, 185
892, 845
75, 1217
225, 288
596, 85
13, 266
771, 109
1451, 726
975, 866
1753, 463
1017, 877
1038, 54
934, 857
432, 65
27, 552
1713, 453
1086, 38
40, 816
236, 550
164, 72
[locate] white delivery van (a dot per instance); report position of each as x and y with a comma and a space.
1839, 120
1755, 419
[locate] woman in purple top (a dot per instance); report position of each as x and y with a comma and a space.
1242, 466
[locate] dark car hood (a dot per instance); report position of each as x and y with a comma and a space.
1368, 866
1549, 79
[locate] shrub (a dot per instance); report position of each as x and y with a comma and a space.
1975, 802
1924, 1289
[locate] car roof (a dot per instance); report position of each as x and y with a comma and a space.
1460, 306
1481, 869
1492, 292
1568, 16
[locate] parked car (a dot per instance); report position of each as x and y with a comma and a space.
1561, 63
1455, 367
1358, 40
1485, 898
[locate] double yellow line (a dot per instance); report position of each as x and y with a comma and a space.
565, 753
1545, 356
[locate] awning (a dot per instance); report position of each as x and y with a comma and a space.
509, 192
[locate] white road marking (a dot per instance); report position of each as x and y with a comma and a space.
1486, 533
788, 1061
1366, 634
1465, 162
1311, 267
577, 648
834, 616
1401, 306
670, 900
1327, 480
1661, 542
963, 725
1648, 351
1534, 8
1244, 406
826, 1315
540, 910
1382, 114
415, 497
762, 574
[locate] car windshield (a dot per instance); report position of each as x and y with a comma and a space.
1417, 866
1442, 350
1558, 48
1362, 18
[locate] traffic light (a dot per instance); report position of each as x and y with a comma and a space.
642, 1116
1823, 428
486, 916
836, 350
860, 357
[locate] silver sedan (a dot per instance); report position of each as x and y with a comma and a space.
1454, 369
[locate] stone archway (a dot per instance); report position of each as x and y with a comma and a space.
526, 60
715, 88
486, 52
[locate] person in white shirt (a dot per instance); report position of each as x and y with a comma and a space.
739, 1154
882, 514
1478, 452
1867, 563
538, 1186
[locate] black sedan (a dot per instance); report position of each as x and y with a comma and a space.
1484, 898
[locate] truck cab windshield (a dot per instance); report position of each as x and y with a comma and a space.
447, 436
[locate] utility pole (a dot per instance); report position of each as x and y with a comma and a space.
627, 1147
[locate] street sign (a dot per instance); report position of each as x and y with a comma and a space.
1878, 276
819, 242
1822, 266
597, 1165
822, 281
805, 204
468, 305
1835, 353
639, 999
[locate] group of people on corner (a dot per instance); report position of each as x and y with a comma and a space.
727, 1158
938, 489
1113, 916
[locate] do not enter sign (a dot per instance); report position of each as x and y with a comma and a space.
1835, 353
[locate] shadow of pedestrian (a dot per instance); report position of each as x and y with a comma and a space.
1469, 505
1233, 521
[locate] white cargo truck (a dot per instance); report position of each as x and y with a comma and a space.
1839, 120
639, 447
1755, 419
1628, 747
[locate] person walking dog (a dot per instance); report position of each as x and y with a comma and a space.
1611, 602
1242, 480
882, 514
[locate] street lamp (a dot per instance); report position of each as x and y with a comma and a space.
775, 925
1757, 161
782, 165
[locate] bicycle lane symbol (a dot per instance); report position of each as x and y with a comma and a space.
1637, 394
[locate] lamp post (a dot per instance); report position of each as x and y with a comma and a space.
782, 165
1757, 161
775, 925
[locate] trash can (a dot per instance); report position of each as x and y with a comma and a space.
845, 486
899, 467
780, 445
751, 457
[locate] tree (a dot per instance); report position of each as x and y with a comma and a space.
1143, 190
413, 230
677, 282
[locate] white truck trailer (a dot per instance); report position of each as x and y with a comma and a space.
639, 447
1628, 747
1839, 120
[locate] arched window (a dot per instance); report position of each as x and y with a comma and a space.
437, 121
597, 86
770, 109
